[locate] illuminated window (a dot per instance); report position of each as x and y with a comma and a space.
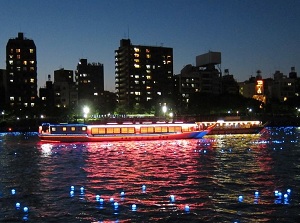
83, 128
147, 51
31, 50
31, 68
136, 66
95, 93
73, 129
159, 93
32, 80
32, 61
18, 50
289, 84
136, 82
148, 56
136, 60
53, 129
44, 98
148, 66
25, 62
136, 49
25, 104
137, 93
11, 80
148, 77
148, 87
136, 76
11, 62
64, 129
149, 98
32, 104
18, 57
136, 55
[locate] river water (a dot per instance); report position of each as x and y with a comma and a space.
224, 178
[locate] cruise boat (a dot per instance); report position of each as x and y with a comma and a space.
121, 132
235, 127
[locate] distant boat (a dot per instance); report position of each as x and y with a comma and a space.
234, 127
121, 132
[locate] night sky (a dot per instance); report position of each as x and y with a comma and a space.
251, 35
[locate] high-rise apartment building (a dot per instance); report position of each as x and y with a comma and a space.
21, 79
143, 76
89, 78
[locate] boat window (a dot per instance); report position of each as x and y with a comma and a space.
124, 130
143, 130
164, 129
53, 129
101, 130
158, 129
64, 129
83, 128
131, 130
171, 129
175, 129
94, 131
110, 130
73, 129
117, 130
150, 129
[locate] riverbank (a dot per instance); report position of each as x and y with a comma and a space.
32, 125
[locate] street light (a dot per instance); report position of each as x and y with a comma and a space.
164, 110
86, 110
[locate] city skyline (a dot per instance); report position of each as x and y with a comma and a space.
251, 35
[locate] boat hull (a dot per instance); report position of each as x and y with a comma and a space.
217, 131
133, 137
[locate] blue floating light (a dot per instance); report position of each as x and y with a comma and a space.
172, 198
122, 193
101, 200
144, 188
72, 188
25, 209
97, 197
82, 190
116, 205
133, 207
240, 198
13, 191
187, 208
111, 199
71, 193
256, 194
289, 191
18, 205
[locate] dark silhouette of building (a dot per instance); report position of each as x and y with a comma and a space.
66, 95
21, 76
144, 76
3, 86
89, 78
46, 96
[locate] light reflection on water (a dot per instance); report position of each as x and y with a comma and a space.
208, 175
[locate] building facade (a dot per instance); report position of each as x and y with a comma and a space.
65, 94
143, 76
21, 79
89, 79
